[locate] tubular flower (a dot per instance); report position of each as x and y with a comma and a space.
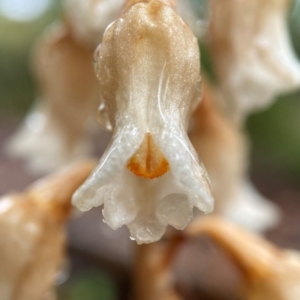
54, 133
58, 128
150, 176
224, 150
252, 53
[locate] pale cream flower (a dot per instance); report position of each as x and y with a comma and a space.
89, 18
55, 132
223, 149
150, 176
252, 53
58, 129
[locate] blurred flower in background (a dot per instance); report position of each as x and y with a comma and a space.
274, 133
20, 24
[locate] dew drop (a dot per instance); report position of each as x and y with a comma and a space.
103, 118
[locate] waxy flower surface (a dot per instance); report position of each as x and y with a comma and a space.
148, 67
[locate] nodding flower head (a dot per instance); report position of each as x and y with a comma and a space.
148, 67
252, 53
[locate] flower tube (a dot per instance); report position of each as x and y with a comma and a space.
57, 130
148, 66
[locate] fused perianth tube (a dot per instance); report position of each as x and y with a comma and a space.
148, 67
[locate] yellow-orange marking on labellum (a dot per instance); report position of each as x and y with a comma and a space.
148, 161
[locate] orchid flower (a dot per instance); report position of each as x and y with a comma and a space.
57, 130
54, 132
149, 72
32, 229
269, 272
223, 150
252, 53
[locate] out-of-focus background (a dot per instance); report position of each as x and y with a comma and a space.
275, 155
275, 133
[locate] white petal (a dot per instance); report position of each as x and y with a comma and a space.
125, 142
176, 210
146, 231
121, 203
185, 167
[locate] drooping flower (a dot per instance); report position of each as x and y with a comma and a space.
223, 149
148, 67
32, 229
55, 131
58, 129
252, 53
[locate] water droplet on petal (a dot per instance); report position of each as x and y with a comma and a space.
103, 118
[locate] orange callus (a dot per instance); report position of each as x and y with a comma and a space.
148, 161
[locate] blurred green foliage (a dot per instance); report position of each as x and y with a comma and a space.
275, 132
88, 285
275, 137
16, 41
